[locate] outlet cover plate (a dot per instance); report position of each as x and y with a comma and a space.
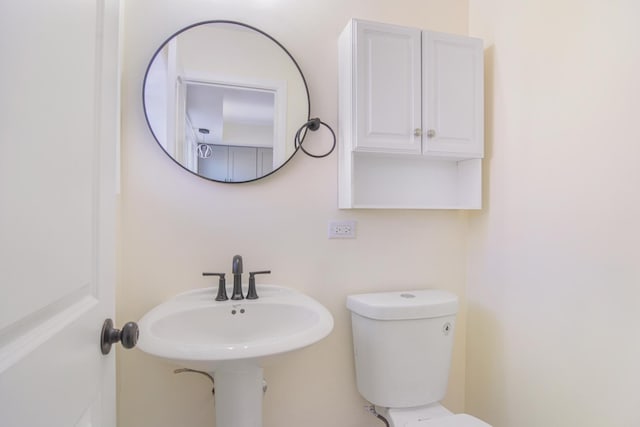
342, 229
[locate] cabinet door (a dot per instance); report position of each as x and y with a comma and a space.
217, 166
242, 163
387, 88
453, 95
264, 161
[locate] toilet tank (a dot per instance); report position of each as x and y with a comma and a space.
402, 344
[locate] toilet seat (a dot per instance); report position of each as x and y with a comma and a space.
459, 420
433, 415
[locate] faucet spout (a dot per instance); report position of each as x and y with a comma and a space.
236, 268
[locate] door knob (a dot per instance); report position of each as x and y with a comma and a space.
128, 335
431, 133
417, 132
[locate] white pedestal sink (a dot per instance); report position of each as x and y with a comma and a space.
231, 340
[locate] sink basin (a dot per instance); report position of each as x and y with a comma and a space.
232, 340
195, 331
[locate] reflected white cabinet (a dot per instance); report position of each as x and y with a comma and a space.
236, 163
410, 118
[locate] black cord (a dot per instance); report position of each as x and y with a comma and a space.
314, 125
383, 419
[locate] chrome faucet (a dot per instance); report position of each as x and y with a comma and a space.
236, 269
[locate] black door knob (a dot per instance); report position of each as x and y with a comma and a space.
128, 335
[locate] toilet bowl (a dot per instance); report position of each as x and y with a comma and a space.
402, 344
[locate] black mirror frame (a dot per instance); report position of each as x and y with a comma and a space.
144, 85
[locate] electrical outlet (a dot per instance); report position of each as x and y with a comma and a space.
342, 229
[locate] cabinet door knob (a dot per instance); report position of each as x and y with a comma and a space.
417, 132
431, 133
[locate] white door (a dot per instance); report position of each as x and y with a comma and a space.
453, 95
58, 134
388, 88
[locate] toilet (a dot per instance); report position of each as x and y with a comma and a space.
402, 344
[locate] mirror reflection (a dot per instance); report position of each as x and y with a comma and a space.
224, 100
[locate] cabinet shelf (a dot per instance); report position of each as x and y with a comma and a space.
381, 182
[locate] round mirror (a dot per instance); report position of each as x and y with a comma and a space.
224, 100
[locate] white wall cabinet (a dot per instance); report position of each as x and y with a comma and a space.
410, 119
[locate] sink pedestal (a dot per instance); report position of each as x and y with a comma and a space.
238, 394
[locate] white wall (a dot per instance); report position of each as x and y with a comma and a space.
554, 258
175, 226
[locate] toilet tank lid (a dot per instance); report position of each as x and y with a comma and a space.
404, 305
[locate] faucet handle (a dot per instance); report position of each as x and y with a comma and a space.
222, 286
251, 292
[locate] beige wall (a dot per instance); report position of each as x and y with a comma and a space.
554, 272
175, 225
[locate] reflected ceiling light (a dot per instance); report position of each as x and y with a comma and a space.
204, 150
